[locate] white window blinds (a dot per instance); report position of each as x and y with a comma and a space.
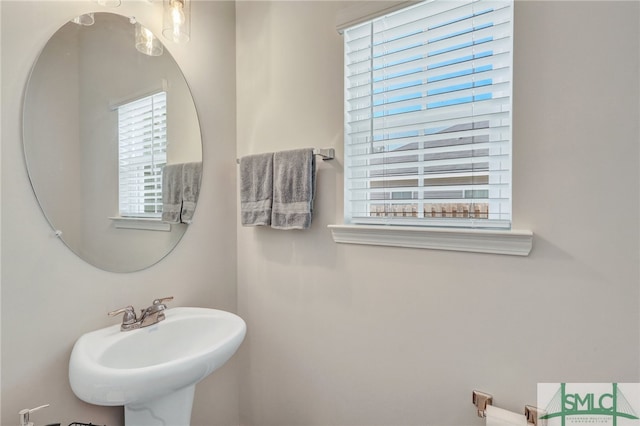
428, 116
142, 128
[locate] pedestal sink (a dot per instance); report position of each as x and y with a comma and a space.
153, 371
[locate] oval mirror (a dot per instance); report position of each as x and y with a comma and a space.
102, 119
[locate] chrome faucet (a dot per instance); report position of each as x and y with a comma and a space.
148, 316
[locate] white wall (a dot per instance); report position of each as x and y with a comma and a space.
49, 296
361, 335
342, 334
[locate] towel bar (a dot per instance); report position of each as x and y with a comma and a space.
324, 153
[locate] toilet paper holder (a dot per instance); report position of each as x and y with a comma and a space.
533, 415
482, 399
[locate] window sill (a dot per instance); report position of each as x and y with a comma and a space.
142, 223
517, 243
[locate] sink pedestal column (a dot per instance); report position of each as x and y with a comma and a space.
173, 409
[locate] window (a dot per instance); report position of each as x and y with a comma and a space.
428, 116
142, 134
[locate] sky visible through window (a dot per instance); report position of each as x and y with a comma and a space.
418, 83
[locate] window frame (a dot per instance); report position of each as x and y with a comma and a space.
156, 148
416, 235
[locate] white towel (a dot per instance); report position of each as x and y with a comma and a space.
293, 189
256, 189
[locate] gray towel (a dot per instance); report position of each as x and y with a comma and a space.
256, 189
171, 193
293, 189
191, 177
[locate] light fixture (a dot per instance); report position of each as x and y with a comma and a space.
109, 3
176, 21
145, 41
86, 19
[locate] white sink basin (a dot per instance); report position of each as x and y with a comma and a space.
152, 371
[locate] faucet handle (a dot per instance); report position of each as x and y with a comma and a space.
129, 316
162, 300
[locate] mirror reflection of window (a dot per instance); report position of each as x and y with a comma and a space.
79, 81
142, 153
